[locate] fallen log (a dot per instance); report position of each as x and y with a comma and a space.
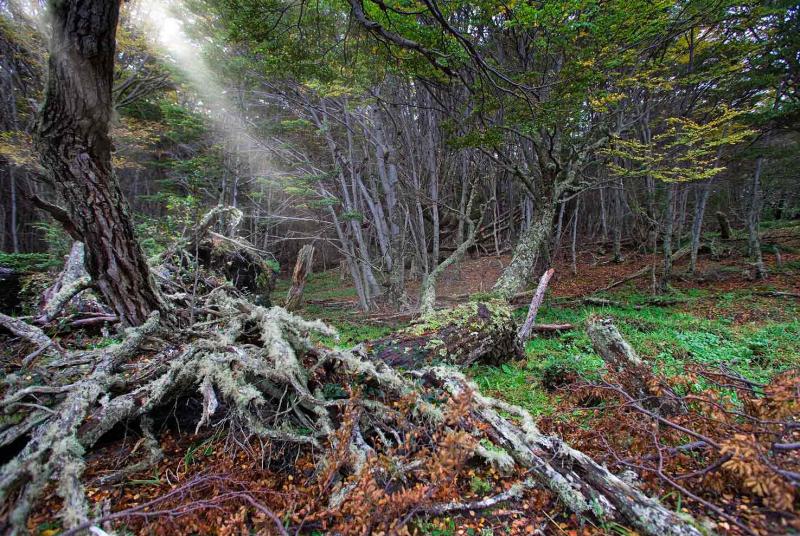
263, 373
257, 373
620, 357
470, 333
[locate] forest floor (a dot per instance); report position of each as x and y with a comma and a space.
718, 318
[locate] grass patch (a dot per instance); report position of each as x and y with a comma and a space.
666, 337
319, 286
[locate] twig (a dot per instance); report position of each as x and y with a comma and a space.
512, 493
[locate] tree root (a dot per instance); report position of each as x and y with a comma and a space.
273, 382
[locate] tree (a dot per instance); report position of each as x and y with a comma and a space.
76, 149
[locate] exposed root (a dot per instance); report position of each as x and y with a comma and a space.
31, 334
257, 374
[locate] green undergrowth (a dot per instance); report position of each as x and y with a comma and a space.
667, 337
30, 262
351, 334
748, 334
319, 286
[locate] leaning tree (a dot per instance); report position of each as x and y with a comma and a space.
75, 148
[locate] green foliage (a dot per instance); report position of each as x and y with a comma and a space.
321, 286
515, 383
480, 486
685, 151
144, 109
29, 262
58, 241
183, 125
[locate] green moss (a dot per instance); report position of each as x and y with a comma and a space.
474, 314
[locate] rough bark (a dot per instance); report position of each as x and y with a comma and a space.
519, 271
753, 220
469, 333
75, 148
301, 270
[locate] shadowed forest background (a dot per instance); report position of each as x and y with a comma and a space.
553, 247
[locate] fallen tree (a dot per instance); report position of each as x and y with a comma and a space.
474, 332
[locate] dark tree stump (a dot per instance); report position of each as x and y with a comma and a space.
10, 288
724, 226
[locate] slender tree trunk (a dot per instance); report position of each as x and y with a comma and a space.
697, 223
669, 217
13, 224
573, 248
76, 149
352, 261
559, 229
753, 219
618, 221
427, 299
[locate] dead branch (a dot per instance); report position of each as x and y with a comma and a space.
524, 332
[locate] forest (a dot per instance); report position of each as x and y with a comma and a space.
400, 267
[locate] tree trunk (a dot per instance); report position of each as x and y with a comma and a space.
669, 216
697, 224
520, 270
76, 151
301, 270
753, 219
524, 332
573, 246
467, 334
724, 226
618, 221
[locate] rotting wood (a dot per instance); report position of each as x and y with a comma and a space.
469, 333
524, 332
302, 267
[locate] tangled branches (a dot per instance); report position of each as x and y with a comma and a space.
375, 434
257, 373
